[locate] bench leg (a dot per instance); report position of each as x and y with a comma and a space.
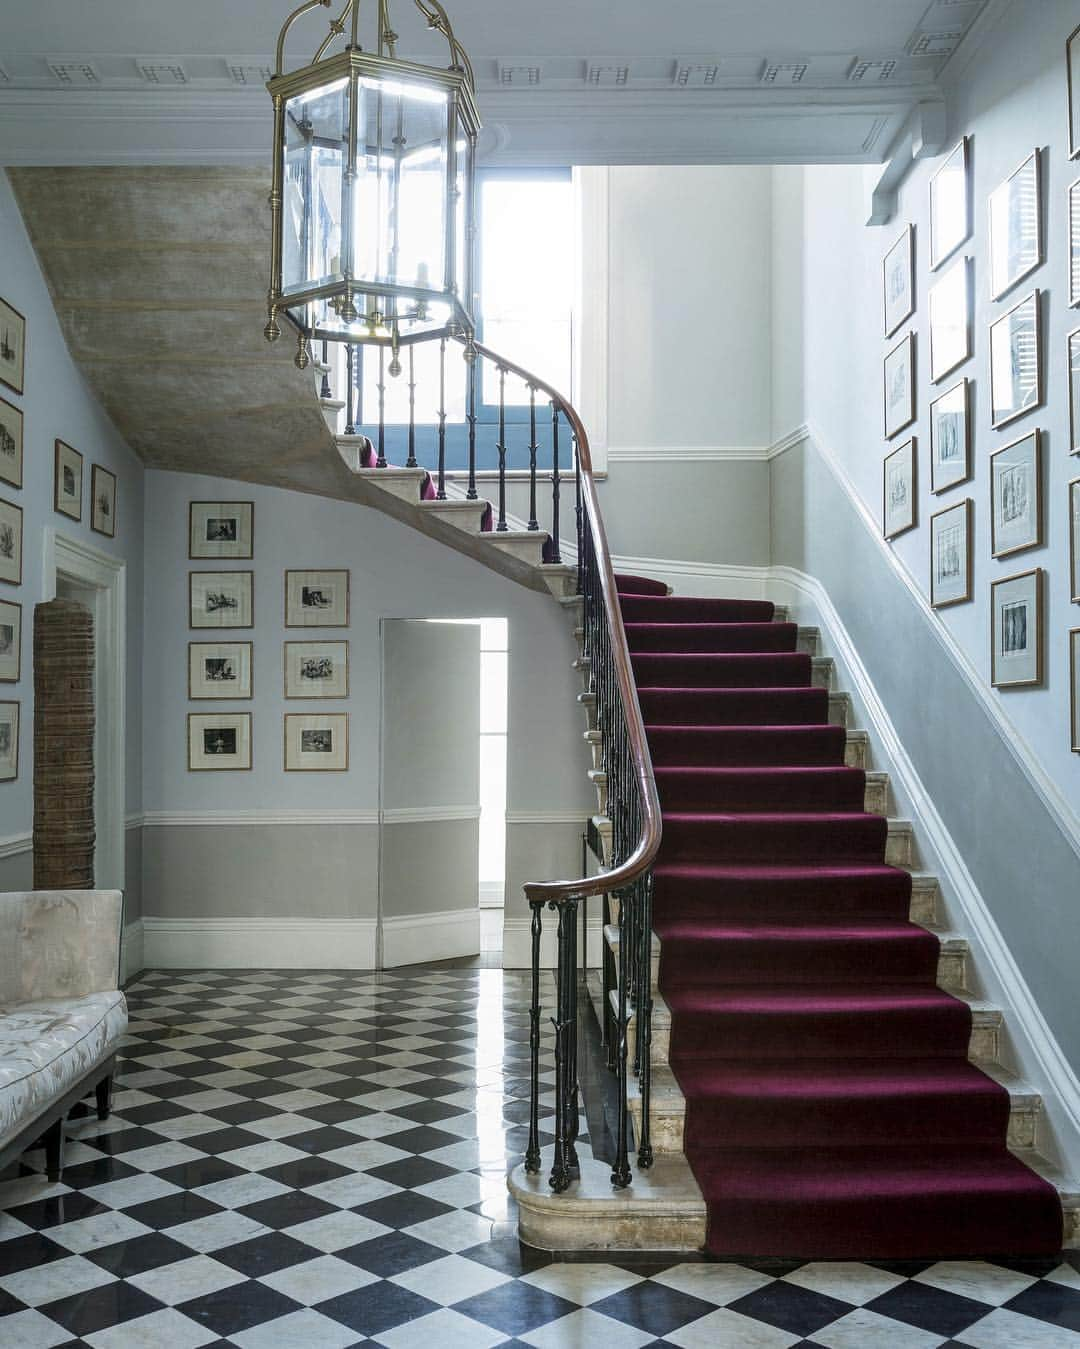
103, 1093
54, 1150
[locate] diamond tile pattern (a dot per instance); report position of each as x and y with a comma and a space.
319, 1159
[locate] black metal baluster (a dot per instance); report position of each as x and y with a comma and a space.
380, 462
324, 391
577, 509
644, 1026
501, 527
620, 1174
470, 414
532, 1151
411, 461
440, 494
556, 552
565, 1159
571, 1114
533, 522
350, 421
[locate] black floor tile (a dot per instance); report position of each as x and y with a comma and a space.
286, 1210
238, 1308
1052, 1302
798, 1310
403, 1210
126, 1258
265, 1254
109, 1305
516, 1308
929, 1308
377, 1308
390, 1255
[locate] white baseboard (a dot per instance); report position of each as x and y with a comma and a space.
132, 950
416, 938
14, 844
701, 579
517, 940
259, 943
492, 894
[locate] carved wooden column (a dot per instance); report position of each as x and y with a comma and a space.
63, 746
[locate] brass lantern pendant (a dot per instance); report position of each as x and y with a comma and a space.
372, 196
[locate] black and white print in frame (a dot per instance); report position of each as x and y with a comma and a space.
316, 669
951, 555
898, 488
68, 480
316, 742
9, 741
1074, 541
899, 381
219, 741
950, 319
950, 438
1016, 496
103, 501
1016, 637
950, 205
219, 670
898, 281
1074, 243
317, 599
1074, 392
221, 599
10, 642
12, 347
1016, 377
1016, 230
224, 530
11, 444
1072, 69
11, 542
1074, 689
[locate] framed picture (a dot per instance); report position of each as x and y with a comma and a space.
219, 741
1074, 541
900, 387
1074, 688
1074, 392
898, 514
1016, 497
1016, 233
221, 599
9, 741
316, 743
67, 481
1072, 68
950, 438
10, 642
219, 670
950, 555
221, 529
12, 347
317, 599
11, 444
899, 281
1074, 243
950, 206
950, 320
1015, 362
1016, 630
11, 542
103, 501
316, 669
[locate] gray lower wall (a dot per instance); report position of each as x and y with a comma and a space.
17, 871
133, 855
1022, 863
429, 866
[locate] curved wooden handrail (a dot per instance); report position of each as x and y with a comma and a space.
643, 856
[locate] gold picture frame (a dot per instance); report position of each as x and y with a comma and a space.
952, 557
67, 480
316, 742
11, 444
12, 347
316, 669
10, 641
227, 671
219, 742
1017, 629
102, 501
10, 713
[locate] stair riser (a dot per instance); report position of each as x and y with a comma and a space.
683, 792
526, 550
732, 671
855, 755
859, 840
468, 521
717, 639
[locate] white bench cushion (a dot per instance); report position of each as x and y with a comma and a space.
46, 1046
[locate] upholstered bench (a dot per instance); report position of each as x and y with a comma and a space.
61, 1012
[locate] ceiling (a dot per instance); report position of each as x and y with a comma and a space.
579, 81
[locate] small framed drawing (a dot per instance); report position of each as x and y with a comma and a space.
1074, 689
1016, 233
11, 444
900, 387
316, 669
12, 347
950, 438
103, 501
1016, 497
899, 490
11, 542
10, 642
1074, 541
1074, 244
221, 599
899, 281
9, 741
317, 599
221, 529
67, 481
1072, 70
950, 320
950, 555
1016, 630
219, 741
950, 206
219, 670
1074, 392
316, 743
1016, 384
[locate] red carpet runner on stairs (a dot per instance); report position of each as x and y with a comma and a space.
831, 1110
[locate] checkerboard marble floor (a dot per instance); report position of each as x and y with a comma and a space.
318, 1160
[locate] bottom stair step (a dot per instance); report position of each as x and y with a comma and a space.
876, 1203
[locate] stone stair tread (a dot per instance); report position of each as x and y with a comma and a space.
451, 503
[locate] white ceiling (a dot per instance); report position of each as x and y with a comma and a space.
130, 81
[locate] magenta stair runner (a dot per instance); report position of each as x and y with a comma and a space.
831, 1110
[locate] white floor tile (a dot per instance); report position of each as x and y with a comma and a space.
318, 1280
976, 1279
1004, 1329
31, 1330
445, 1328
452, 1231
713, 1283
335, 1231
723, 1329
846, 1280
299, 1330
186, 1279
54, 1280
582, 1283
587, 1329
862, 1328
450, 1280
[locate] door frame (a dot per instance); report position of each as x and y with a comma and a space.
106, 576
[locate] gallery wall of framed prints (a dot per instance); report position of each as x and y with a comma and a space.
984, 427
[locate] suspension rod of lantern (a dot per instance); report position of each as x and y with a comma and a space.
436, 16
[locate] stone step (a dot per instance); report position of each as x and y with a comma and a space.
561, 579
403, 483
809, 639
463, 515
875, 797
856, 751
524, 544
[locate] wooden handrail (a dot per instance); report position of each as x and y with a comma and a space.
648, 845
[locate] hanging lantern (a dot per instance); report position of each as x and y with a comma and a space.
372, 196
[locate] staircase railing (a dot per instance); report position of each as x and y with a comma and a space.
633, 807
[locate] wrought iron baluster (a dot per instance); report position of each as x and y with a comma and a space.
620, 1174
324, 390
533, 522
556, 554
532, 1152
440, 494
644, 1026
501, 527
579, 519
471, 361
410, 462
350, 420
380, 462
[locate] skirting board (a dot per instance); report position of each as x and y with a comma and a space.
259, 943
416, 938
132, 951
517, 941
